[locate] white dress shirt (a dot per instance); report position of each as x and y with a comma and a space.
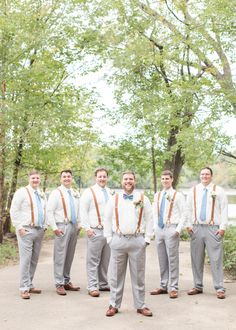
128, 217
220, 211
20, 210
88, 213
177, 214
55, 210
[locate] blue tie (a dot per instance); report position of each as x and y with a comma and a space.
72, 208
105, 194
162, 209
130, 197
203, 206
40, 209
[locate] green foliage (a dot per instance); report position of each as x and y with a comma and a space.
8, 252
230, 250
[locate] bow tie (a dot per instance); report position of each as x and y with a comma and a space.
130, 197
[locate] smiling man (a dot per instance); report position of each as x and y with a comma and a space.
63, 217
28, 217
168, 209
128, 227
207, 217
92, 208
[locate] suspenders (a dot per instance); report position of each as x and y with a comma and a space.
64, 205
100, 226
137, 231
32, 208
170, 207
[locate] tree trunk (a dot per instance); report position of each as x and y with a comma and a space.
154, 174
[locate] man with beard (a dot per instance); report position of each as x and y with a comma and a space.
92, 208
128, 227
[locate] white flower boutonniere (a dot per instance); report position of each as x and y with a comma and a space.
169, 198
138, 204
213, 195
42, 195
76, 194
112, 192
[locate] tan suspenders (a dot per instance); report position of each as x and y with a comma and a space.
97, 209
170, 208
31, 206
64, 205
117, 215
195, 206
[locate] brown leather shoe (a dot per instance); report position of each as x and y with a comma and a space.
61, 291
104, 289
220, 295
71, 287
25, 294
158, 291
111, 311
194, 291
34, 290
144, 311
173, 294
94, 293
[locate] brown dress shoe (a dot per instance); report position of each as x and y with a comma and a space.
220, 295
34, 290
94, 293
71, 287
61, 291
111, 311
144, 311
158, 291
25, 294
104, 289
173, 294
194, 291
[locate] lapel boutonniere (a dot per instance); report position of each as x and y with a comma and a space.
41, 194
76, 194
138, 204
213, 195
112, 192
169, 198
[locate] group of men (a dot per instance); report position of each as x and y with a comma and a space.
119, 227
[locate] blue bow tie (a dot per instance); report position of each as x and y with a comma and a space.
130, 197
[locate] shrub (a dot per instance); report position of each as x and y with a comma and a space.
230, 250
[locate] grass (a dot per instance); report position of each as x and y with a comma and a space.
8, 252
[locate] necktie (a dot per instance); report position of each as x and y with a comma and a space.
72, 208
162, 209
40, 208
130, 197
203, 206
105, 194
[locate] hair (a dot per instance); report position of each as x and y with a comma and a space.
128, 172
207, 168
32, 172
100, 169
167, 172
66, 171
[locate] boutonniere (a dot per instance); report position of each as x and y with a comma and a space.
76, 194
169, 198
213, 194
41, 195
112, 192
138, 204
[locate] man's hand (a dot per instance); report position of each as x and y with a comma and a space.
59, 232
90, 233
220, 232
176, 234
22, 231
190, 230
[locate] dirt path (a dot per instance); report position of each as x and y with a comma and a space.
49, 311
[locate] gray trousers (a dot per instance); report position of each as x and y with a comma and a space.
29, 249
204, 237
168, 255
64, 250
124, 248
98, 256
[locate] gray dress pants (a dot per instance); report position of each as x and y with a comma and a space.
123, 249
168, 255
64, 250
29, 249
98, 256
204, 237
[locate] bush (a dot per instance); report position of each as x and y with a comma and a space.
230, 250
